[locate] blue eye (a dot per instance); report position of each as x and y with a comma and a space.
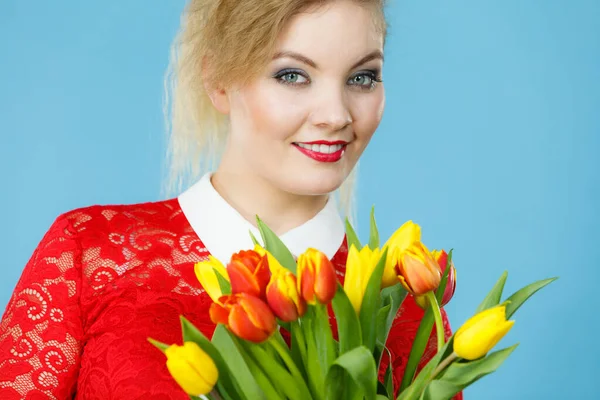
291, 77
365, 80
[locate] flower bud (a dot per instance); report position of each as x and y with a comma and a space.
247, 316
249, 273
316, 277
359, 267
283, 296
481, 333
417, 270
192, 368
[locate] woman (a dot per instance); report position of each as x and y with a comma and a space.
286, 95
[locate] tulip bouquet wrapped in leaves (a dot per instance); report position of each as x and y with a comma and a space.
274, 339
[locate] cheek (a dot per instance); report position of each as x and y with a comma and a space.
367, 113
271, 113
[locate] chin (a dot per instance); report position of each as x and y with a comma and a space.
317, 183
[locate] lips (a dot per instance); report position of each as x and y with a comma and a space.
322, 151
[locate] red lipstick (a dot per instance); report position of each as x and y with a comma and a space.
322, 154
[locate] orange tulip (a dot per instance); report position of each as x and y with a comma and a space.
441, 257
247, 316
417, 270
316, 277
249, 273
283, 296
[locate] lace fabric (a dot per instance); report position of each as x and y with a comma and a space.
102, 280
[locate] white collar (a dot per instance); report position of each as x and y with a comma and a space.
224, 231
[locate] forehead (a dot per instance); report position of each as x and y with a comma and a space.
339, 31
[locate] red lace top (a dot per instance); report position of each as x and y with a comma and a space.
102, 280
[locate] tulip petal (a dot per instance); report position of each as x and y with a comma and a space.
219, 314
326, 282
242, 326
192, 368
242, 279
205, 273
404, 236
481, 333
258, 312
307, 279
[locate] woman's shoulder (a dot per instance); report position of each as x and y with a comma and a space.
95, 219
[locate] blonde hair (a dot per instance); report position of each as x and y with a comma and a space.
238, 37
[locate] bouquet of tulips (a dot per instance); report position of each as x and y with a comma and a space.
274, 339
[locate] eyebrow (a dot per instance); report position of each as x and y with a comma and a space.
376, 54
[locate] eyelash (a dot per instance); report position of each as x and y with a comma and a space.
374, 75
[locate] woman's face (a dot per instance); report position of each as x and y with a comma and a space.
303, 124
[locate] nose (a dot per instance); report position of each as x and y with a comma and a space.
331, 110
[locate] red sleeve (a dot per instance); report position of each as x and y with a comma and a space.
402, 335
41, 330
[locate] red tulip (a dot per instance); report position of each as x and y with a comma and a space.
249, 273
442, 259
283, 296
247, 316
317, 279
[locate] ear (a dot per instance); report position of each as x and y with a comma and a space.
216, 93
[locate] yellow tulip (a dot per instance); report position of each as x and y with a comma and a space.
481, 333
359, 267
205, 272
407, 234
192, 368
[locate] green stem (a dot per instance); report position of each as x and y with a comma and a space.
437, 315
286, 359
443, 365
291, 365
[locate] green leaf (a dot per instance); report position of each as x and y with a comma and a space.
228, 355
395, 296
314, 368
224, 284
440, 390
233, 384
368, 313
519, 297
161, 346
414, 389
463, 374
351, 236
439, 294
388, 379
374, 232
325, 345
418, 348
270, 391
298, 350
276, 247
254, 239
277, 374
360, 366
494, 296
348, 325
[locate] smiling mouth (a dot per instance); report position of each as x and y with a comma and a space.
322, 151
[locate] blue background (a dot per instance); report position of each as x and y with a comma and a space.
489, 141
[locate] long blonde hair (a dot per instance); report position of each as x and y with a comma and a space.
239, 37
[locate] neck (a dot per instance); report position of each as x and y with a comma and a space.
251, 195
